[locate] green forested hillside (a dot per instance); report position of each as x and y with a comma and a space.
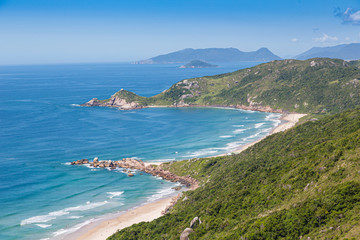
312, 86
319, 85
301, 183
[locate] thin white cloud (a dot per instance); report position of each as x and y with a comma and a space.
294, 39
325, 38
355, 17
349, 16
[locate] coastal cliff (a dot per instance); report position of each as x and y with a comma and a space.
319, 85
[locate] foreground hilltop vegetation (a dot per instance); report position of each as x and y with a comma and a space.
318, 85
300, 184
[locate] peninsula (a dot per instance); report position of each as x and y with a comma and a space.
318, 85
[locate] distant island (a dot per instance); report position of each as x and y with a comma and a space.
212, 55
343, 51
198, 64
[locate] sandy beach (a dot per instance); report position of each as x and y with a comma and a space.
288, 121
102, 229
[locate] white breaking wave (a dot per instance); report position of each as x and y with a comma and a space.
53, 215
70, 230
86, 207
272, 116
75, 217
44, 218
202, 152
240, 130
267, 130
114, 194
225, 136
259, 125
162, 193
44, 225
75, 105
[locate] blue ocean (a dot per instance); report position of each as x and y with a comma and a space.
43, 128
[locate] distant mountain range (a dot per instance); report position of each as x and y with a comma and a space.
343, 51
216, 55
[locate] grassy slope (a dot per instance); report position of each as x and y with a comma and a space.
128, 96
319, 85
303, 182
311, 86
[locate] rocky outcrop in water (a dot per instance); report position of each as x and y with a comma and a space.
129, 163
123, 100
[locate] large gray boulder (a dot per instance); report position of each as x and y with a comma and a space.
194, 221
185, 234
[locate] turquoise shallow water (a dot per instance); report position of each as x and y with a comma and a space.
43, 129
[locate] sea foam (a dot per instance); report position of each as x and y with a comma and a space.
258, 125
225, 136
240, 130
53, 215
162, 193
114, 194
44, 225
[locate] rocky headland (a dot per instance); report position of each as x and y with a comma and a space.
133, 164
120, 100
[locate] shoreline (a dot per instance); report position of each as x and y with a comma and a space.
102, 228
290, 121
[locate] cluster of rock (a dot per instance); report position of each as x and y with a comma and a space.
194, 223
114, 101
134, 164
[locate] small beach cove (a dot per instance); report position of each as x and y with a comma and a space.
103, 228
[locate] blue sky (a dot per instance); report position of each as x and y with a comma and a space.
69, 31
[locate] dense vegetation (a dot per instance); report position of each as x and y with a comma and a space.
315, 86
318, 85
304, 182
